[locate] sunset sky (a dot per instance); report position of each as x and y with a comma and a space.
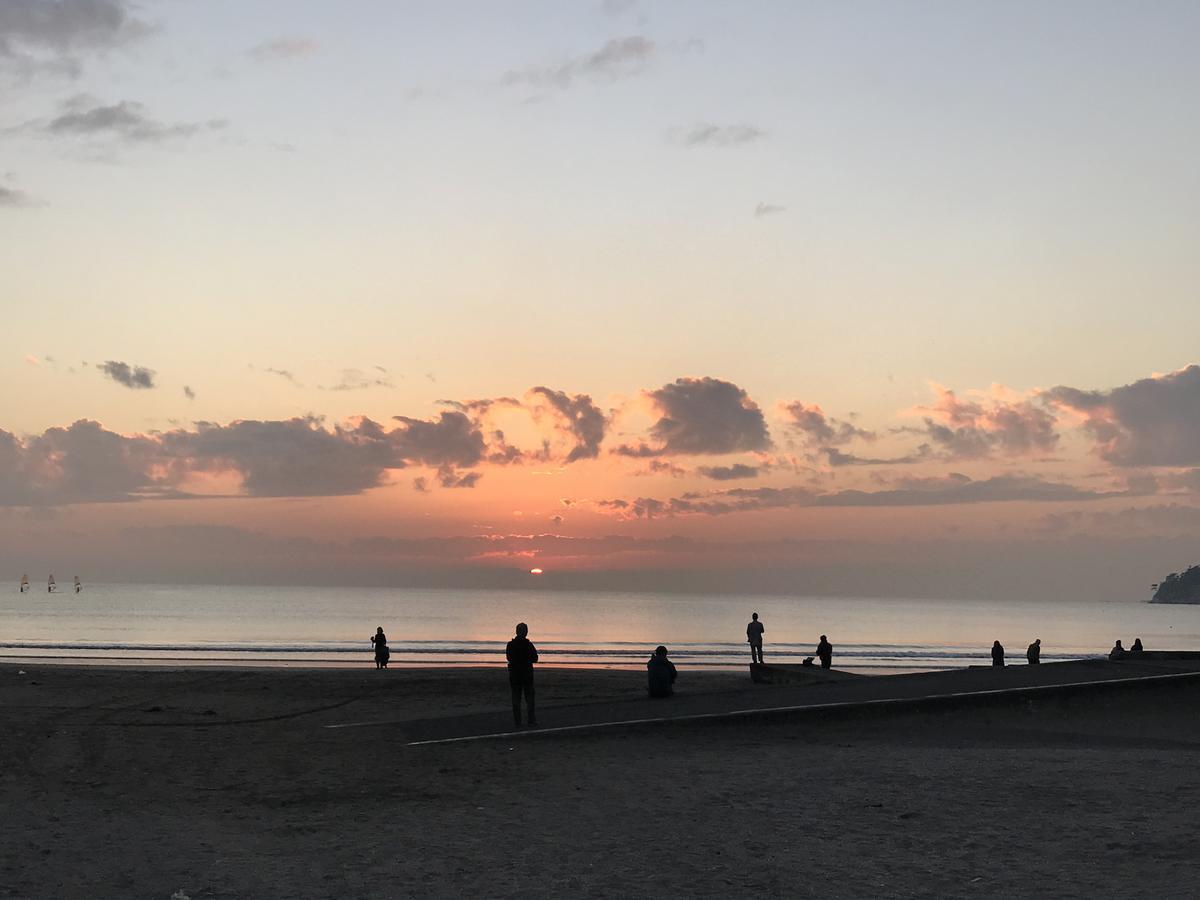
800, 297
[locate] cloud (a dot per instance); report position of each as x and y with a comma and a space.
972, 429
581, 418
768, 209
952, 489
134, 377
450, 440
838, 458
189, 393
728, 473
816, 428
357, 380
83, 463
49, 36
705, 134
449, 478
1152, 422
13, 198
282, 48
1171, 518
701, 416
284, 374
617, 59
86, 117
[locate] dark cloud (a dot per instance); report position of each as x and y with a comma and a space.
768, 209
449, 478
51, 36
1151, 422
948, 490
973, 429
450, 440
12, 197
297, 457
817, 429
189, 393
618, 58
705, 134
83, 463
702, 416
135, 377
581, 418
729, 473
837, 458
86, 117
282, 48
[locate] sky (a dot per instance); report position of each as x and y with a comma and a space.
799, 297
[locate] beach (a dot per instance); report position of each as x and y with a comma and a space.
227, 783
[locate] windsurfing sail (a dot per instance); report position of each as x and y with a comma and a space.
78, 585
50, 585
24, 583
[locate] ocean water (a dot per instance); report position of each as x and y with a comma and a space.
257, 625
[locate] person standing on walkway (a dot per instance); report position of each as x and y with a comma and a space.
997, 655
382, 653
825, 653
1034, 653
754, 633
521, 655
660, 674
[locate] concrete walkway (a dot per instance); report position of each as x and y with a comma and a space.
957, 687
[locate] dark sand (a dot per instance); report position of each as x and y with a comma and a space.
222, 783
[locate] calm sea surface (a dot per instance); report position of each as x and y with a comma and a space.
320, 626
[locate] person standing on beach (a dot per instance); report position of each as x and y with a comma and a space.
1034, 653
660, 674
754, 633
521, 655
997, 655
825, 653
379, 642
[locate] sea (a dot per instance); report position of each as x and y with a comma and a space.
319, 626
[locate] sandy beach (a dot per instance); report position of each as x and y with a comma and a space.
125, 782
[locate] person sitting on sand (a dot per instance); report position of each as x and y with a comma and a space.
521, 655
825, 652
1137, 646
660, 673
754, 633
1034, 653
997, 654
379, 642
1117, 651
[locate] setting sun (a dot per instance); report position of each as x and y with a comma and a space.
535, 571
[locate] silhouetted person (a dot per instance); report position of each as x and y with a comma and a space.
997, 654
1034, 653
521, 655
379, 642
1137, 646
825, 652
754, 633
1117, 651
660, 674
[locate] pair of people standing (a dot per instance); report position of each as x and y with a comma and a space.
1033, 653
754, 637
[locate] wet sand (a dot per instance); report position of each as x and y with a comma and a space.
123, 782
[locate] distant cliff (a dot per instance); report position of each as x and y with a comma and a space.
1179, 587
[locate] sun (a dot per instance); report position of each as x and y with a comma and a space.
535, 571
